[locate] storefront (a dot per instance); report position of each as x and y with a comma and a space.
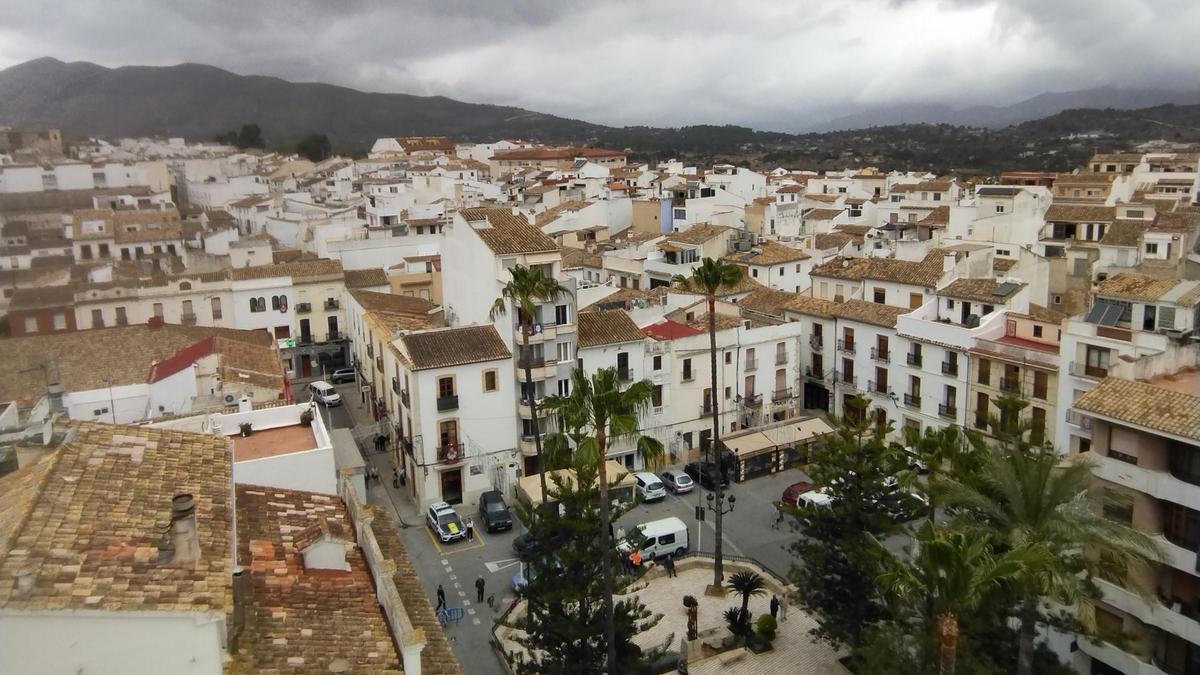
774, 448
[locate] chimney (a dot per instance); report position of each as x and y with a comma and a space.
184, 538
54, 392
25, 579
241, 588
245, 405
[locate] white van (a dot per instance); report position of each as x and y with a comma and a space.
815, 499
325, 393
668, 536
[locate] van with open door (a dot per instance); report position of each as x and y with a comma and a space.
658, 539
324, 392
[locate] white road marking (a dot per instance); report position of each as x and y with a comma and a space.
453, 577
475, 621
498, 565
457, 585
471, 612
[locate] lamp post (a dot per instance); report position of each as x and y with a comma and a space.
717, 504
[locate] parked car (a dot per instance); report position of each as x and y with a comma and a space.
494, 512
325, 393
649, 486
444, 522
657, 539
791, 494
815, 499
524, 545
706, 477
343, 375
677, 481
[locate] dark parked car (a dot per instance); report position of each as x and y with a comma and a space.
707, 478
494, 512
524, 545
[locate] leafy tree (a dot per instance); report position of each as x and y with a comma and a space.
606, 412
708, 279
958, 570
249, 136
527, 288
564, 624
314, 147
747, 584
1027, 495
837, 562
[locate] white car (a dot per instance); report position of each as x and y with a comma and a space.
444, 522
649, 486
677, 481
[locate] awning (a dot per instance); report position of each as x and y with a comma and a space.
748, 445
670, 248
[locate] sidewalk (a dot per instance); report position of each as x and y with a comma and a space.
396, 501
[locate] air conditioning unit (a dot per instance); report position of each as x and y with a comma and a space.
230, 399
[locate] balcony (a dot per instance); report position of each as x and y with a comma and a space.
948, 409
912, 400
879, 388
846, 346
305, 339
1010, 385
913, 359
303, 307
544, 333
531, 362
1151, 611
815, 374
447, 403
706, 410
750, 365
688, 376
404, 398
332, 303
188, 319
782, 394
1087, 371
449, 453
334, 336
396, 386
878, 354
816, 342
624, 374
848, 381
379, 363
781, 359
752, 400
950, 369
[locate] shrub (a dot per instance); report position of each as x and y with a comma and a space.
690, 601
246, 428
765, 627
306, 417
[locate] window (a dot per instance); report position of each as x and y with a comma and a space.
879, 295
728, 393
1096, 364
687, 370
657, 363
216, 308
1037, 425
1041, 383
728, 358
999, 208
97, 318
1151, 248
656, 398
1037, 331
564, 351
60, 321
1118, 505
275, 302
797, 269
937, 196
564, 387
915, 300
490, 381
31, 325
561, 317
445, 387
848, 371
122, 320
985, 371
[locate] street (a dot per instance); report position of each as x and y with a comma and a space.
748, 531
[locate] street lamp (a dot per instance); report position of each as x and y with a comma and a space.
717, 504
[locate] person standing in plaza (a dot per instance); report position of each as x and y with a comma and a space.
783, 605
669, 564
479, 585
441, 599
470, 524
774, 606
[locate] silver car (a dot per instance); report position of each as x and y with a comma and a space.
677, 481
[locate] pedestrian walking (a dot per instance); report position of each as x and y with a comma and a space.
395, 478
470, 529
778, 517
774, 606
441, 599
669, 564
479, 584
783, 606
403, 476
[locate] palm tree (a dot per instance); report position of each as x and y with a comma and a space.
599, 407
747, 584
709, 278
958, 570
1030, 496
526, 289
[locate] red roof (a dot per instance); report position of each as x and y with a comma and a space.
182, 359
670, 330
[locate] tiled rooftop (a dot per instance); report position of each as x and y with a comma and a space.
1145, 405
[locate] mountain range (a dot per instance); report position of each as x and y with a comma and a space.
199, 102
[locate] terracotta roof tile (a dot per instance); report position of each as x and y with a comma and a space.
1132, 286
507, 233
977, 290
95, 533
450, 347
698, 233
299, 269
607, 327
1145, 405
1078, 213
870, 312
822, 214
364, 278
776, 303
768, 252
927, 272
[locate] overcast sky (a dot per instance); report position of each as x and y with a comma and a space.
772, 64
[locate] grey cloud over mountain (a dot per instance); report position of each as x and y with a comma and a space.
768, 64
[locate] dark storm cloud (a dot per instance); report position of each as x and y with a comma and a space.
765, 63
